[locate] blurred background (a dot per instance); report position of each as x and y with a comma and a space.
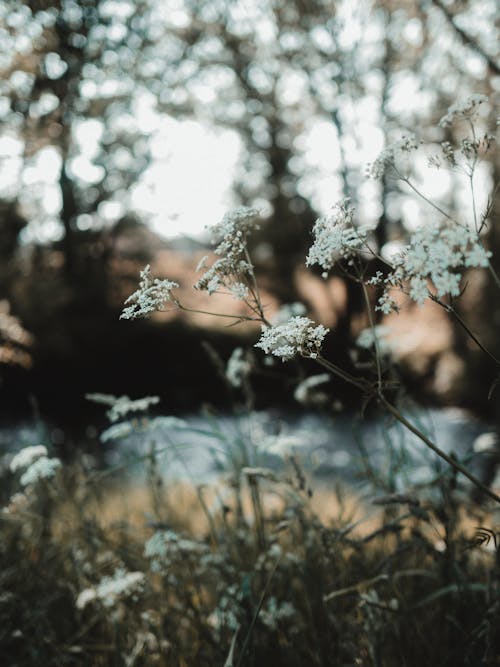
127, 127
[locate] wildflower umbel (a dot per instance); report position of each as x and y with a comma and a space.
336, 236
466, 110
434, 259
111, 590
35, 463
393, 156
299, 336
233, 268
152, 295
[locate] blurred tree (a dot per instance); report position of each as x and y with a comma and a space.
311, 88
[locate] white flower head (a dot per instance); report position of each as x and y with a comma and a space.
112, 589
299, 336
434, 260
466, 110
121, 406
238, 367
305, 392
336, 236
367, 337
27, 456
116, 432
42, 468
394, 156
151, 296
233, 267
288, 310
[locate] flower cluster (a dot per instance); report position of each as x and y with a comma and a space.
166, 547
112, 589
465, 110
35, 463
233, 267
238, 367
152, 295
305, 392
393, 156
336, 236
121, 406
368, 337
299, 335
435, 257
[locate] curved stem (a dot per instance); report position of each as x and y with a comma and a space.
465, 327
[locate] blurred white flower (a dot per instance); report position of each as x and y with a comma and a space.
305, 391
121, 406
42, 468
27, 456
463, 110
238, 367
395, 156
112, 589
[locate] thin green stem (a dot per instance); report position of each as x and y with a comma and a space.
451, 461
360, 383
406, 180
241, 318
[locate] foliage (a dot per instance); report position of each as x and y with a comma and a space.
262, 565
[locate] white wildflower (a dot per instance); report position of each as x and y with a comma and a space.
121, 406
116, 432
336, 236
434, 260
486, 443
419, 290
239, 291
27, 456
288, 310
393, 156
366, 338
299, 335
232, 236
275, 611
465, 110
166, 546
112, 589
86, 596
238, 367
282, 444
17, 503
304, 392
42, 468
386, 304
152, 295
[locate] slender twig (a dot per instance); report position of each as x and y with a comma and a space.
241, 318
449, 309
437, 450
406, 180
374, 333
